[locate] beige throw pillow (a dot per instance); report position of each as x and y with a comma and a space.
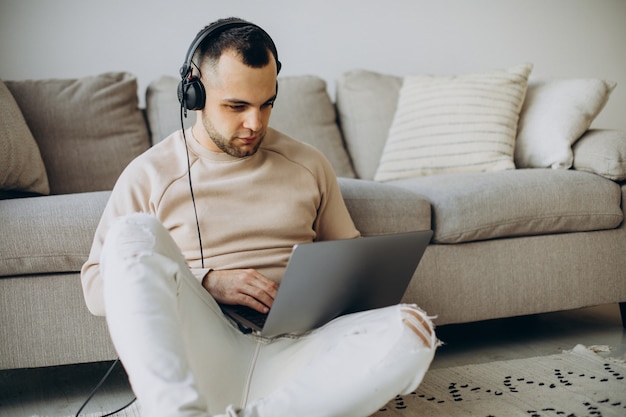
88, 129
446, 124
555, 115
21, 166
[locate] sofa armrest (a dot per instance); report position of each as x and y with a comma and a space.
602, 152
378, 208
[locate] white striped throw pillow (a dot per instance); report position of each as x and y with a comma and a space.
454, 124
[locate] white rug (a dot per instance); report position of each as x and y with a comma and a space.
572, 384
576, 383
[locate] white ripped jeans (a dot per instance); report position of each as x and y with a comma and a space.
184, 358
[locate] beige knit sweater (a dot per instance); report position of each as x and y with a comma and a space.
251, 210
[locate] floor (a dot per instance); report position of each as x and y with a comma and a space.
60, 391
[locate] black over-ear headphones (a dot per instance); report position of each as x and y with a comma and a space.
191, 93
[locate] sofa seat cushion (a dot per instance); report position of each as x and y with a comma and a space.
50, 234
479, 206
379, 209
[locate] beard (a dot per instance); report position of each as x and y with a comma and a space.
227, 145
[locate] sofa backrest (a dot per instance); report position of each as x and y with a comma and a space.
555, 116
87, 129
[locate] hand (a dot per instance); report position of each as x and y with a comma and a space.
245, 287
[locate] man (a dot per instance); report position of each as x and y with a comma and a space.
210, 215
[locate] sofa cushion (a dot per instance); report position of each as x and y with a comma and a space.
366, 103
21, 166
446, 124
49, 234
302, 110
379, 209
87, 129
556, 113
489, 205
602, 152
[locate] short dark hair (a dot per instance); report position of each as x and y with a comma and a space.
249, 41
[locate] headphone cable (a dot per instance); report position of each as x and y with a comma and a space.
93, 392
193, 198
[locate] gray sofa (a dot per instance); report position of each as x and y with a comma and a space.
506, 243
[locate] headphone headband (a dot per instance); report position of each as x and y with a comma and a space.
190, 89
214, 29
201, 36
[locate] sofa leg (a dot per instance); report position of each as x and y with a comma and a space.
622, 310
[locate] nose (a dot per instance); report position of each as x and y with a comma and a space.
253, 120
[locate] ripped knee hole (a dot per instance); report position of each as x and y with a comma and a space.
419, 324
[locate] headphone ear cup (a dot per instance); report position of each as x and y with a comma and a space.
191, 94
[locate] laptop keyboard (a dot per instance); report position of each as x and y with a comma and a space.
251, 315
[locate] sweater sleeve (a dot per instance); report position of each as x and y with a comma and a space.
128, 196
333, 219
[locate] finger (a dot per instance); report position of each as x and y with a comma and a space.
253, 303
266, 284
262, 292
259, 295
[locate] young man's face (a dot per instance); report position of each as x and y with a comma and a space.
238, 105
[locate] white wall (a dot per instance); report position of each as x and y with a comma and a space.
563, 38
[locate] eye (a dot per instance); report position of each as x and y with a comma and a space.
236, 107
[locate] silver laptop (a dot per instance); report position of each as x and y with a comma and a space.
324, 280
